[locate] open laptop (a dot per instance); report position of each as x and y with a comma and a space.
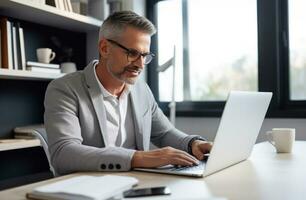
240, 124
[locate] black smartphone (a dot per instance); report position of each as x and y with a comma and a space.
146, 192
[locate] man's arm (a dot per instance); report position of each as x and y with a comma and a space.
68, 154
174, 143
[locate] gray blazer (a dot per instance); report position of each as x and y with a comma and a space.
75, 121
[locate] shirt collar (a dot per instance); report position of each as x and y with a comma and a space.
127, 88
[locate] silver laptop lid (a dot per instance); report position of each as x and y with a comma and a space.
240, 124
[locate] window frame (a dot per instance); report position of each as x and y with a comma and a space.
273, 65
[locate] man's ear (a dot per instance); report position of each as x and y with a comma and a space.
103, 48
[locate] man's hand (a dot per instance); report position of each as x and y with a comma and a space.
161, 157
199, 148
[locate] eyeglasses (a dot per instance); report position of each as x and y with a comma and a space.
133, 55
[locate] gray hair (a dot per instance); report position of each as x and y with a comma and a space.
116, 23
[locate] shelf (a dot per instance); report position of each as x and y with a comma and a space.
28, 75
48, 15
10, 144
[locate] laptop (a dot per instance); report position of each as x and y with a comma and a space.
239, 127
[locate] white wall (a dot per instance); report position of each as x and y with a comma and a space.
207, 127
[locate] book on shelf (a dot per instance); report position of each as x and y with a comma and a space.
28, 132
25, 137
85, 187
43, 69
22, 47
56, 3
62, 4
79, 7
17, 49
7, 141
6, 43
69, 6
15, 52
42, 65
65, 5
12, 45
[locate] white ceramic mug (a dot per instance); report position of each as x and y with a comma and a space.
282, 139
45, 55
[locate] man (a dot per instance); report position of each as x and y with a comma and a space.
101, 119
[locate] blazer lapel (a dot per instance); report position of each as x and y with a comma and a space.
137, 120
96, 98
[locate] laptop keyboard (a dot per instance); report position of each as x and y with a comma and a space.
189, 168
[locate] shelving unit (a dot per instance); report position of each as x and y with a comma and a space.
22, 101
48, 15
12, 144
40, 23
52, 17
28, 75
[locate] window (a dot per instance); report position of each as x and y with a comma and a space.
253, 45
297, 41
221, 45
222, 48
170, 14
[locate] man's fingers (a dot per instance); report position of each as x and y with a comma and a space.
176, 154
205, 147
199, 154
189, 158
200, 148
182, 162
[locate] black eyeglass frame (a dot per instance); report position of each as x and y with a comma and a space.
148, 57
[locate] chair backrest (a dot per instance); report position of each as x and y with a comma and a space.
41, 134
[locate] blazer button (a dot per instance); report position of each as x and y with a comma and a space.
110, 166
103, 166
118, 166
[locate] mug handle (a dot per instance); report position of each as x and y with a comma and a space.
52, 56
269, 136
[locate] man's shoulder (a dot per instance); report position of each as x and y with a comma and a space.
76, 79
70, 82
71, 78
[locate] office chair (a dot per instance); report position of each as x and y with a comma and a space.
39, 132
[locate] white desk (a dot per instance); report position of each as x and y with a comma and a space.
266, 175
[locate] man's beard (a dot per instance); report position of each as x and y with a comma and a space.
121, 75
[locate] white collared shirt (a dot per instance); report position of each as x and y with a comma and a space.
120, 126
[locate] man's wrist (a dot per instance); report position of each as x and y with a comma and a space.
135, 159
191, 142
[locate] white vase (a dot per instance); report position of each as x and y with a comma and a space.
68, 67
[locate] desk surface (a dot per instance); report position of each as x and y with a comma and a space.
265, 175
